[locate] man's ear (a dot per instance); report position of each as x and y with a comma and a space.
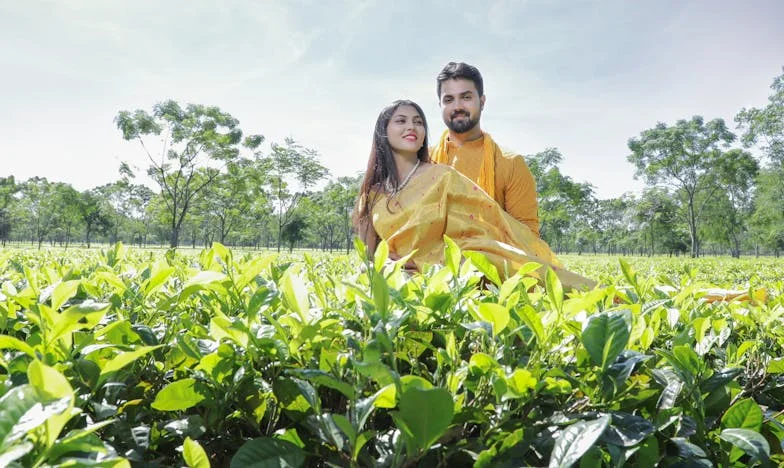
482, 102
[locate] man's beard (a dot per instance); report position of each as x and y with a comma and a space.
461, 126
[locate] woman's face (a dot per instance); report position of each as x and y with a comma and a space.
406, 130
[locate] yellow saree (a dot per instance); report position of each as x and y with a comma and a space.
441, 201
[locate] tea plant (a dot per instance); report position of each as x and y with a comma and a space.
127, 357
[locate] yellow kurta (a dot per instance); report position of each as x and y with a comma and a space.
441, 201
514, 187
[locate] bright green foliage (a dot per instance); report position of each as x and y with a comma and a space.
232, 359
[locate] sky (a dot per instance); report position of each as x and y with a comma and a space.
580, 76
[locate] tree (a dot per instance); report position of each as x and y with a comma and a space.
66, 203
766, 125
8, 188
682, 157
343, 194
328, 213
767, 222
289, 165
95, 212
656, 216
736, 173
294, 231
37, 203
562, 202
197, 143
229, 199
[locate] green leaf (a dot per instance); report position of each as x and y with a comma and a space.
80, 440
156, 281
672, 387
605, 335
775, 366
265, 452
744, 414
13, 407
451, 255
9, 342
202, 280
380, 256
178, 396
751, 442
325, 379
345, 426
629, 273
295, 294
123, 359
532, 320
194, 454
575, 440
426, 414
50, 383
520, 382
482, 363
308, 392
78, 317
627, 430
684, 361
362, 439
554, 290
16, 452
386, 397
480, 261
64, 291
380, 291
496, 314
648, 454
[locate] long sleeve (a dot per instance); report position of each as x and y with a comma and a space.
520, 193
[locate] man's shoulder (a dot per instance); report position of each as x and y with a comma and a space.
511, 158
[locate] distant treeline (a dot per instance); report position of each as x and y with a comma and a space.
709, 191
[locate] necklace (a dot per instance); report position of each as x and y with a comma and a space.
393, 191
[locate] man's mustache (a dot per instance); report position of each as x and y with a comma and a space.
459, 113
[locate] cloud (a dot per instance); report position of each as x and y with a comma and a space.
583, 76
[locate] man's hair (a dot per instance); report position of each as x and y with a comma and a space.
455, 70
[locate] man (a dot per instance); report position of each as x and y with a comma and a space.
464, 146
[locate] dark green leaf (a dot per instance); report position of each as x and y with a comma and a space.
627, 430
605, 335
268, 453
751, 442
427, 414
573, 441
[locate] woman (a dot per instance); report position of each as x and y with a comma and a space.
412, 203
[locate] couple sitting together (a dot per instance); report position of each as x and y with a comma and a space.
465, 187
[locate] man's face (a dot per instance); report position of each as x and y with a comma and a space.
461, 105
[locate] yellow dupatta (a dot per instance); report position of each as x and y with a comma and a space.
487, 168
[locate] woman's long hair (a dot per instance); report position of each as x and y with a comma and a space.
381, 168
